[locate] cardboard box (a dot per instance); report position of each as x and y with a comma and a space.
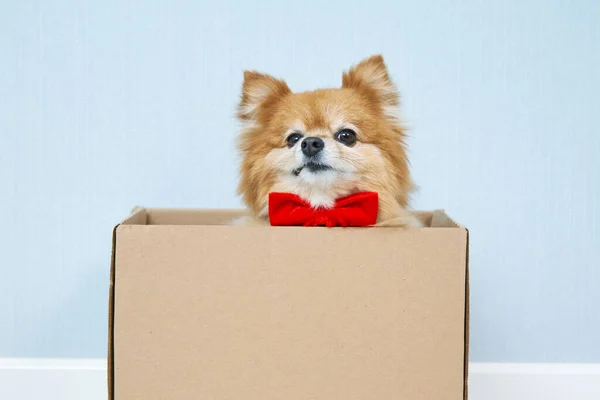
200, 310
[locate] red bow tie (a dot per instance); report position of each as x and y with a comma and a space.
360, 209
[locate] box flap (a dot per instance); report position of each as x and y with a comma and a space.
138, 216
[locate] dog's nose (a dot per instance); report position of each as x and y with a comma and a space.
312, 145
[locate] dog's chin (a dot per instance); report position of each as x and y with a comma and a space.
312, 167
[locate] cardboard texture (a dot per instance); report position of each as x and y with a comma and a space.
200, 310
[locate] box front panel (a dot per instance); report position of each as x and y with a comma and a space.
285, 313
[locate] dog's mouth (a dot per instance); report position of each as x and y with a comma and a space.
312, 167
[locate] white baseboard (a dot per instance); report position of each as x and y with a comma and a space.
82, 379
52, 379
534, 381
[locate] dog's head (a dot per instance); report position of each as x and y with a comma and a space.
324, 144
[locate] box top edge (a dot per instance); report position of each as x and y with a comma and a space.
160, 216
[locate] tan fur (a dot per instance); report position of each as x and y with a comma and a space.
367, 102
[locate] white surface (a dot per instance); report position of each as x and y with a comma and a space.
50, 379
53, 379
534, 382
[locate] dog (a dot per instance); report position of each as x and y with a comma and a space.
325, 144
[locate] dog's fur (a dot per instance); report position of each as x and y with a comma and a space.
367, 103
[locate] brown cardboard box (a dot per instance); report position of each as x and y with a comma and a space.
199, 310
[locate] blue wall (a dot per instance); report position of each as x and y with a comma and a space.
108, 104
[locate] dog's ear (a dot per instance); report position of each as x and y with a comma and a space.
371, 76
258, 91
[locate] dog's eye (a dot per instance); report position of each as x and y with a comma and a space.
293, 139
346, 136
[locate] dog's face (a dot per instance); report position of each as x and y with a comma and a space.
324, 144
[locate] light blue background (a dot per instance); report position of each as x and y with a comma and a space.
109, 104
